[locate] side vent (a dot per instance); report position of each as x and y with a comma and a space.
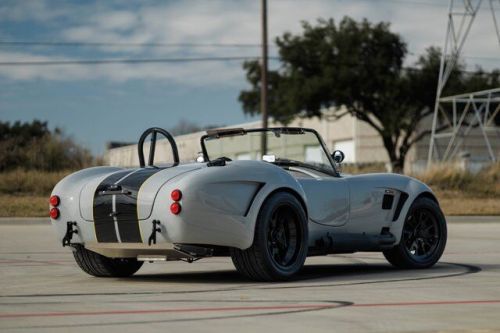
387, 201
402, 199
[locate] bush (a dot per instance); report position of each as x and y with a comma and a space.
34, 146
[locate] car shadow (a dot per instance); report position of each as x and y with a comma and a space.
330, 273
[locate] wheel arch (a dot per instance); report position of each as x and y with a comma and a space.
415, 190
428, 195
292, 192
254, 261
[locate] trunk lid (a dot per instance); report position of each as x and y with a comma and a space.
127, 195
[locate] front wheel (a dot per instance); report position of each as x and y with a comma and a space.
423, 239
98, 265
280, 242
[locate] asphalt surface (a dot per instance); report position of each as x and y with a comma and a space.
42, 289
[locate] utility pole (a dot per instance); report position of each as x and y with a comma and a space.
476, 108
263, 82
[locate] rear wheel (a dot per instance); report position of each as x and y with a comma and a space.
98, 265
423, 239
280, 243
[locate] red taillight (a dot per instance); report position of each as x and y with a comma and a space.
175, 208
176, 195
54, 213
54, 201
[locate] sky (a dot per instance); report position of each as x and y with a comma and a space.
95, 104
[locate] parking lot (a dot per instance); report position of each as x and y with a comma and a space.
42, 289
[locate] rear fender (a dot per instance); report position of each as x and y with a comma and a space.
220, 204
69, 191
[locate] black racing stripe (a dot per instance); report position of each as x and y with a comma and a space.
126, 205
103, 207
135, 180
103, 222
128, 224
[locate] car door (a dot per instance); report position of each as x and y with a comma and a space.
372, 203
327, 200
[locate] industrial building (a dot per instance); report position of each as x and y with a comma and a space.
360, 143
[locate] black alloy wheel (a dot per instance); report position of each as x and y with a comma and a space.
421, 234
282, 236
423, 238
280, 242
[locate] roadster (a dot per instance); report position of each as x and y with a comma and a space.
267, 210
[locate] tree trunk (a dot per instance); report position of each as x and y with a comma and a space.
398, 165
397, 162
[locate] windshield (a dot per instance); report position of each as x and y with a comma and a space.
285, 147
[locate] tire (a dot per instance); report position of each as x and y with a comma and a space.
423, 237
280, 242
98, 265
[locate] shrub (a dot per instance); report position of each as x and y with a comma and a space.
34, 146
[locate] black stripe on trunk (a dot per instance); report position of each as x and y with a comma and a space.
126, 205
103, 208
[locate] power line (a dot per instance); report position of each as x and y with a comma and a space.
415, 54
442, 4
175, 60
115, 44
169, 45
126, 61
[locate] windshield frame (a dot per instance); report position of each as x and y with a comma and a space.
218, 134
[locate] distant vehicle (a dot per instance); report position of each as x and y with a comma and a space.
267, 212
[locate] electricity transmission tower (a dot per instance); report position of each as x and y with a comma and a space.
455, 116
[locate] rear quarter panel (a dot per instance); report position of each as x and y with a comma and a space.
220, 204
69, 191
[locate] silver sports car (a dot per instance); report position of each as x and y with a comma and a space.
267, 211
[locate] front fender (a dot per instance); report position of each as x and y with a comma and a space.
414, 188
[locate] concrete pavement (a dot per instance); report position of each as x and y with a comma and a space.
42, 289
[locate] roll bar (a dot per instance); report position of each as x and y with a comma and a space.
154, 131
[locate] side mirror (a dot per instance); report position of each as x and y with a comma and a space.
338, 156
200, 158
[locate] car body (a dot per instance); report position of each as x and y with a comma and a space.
196, 210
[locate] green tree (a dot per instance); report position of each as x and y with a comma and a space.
357, 68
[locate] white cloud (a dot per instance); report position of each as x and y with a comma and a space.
30, 10
192, 74
214, 21
38, 72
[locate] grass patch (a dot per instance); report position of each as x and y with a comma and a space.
34, 182
24, 206
456, 203
485, 184
25, 193
359, 168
